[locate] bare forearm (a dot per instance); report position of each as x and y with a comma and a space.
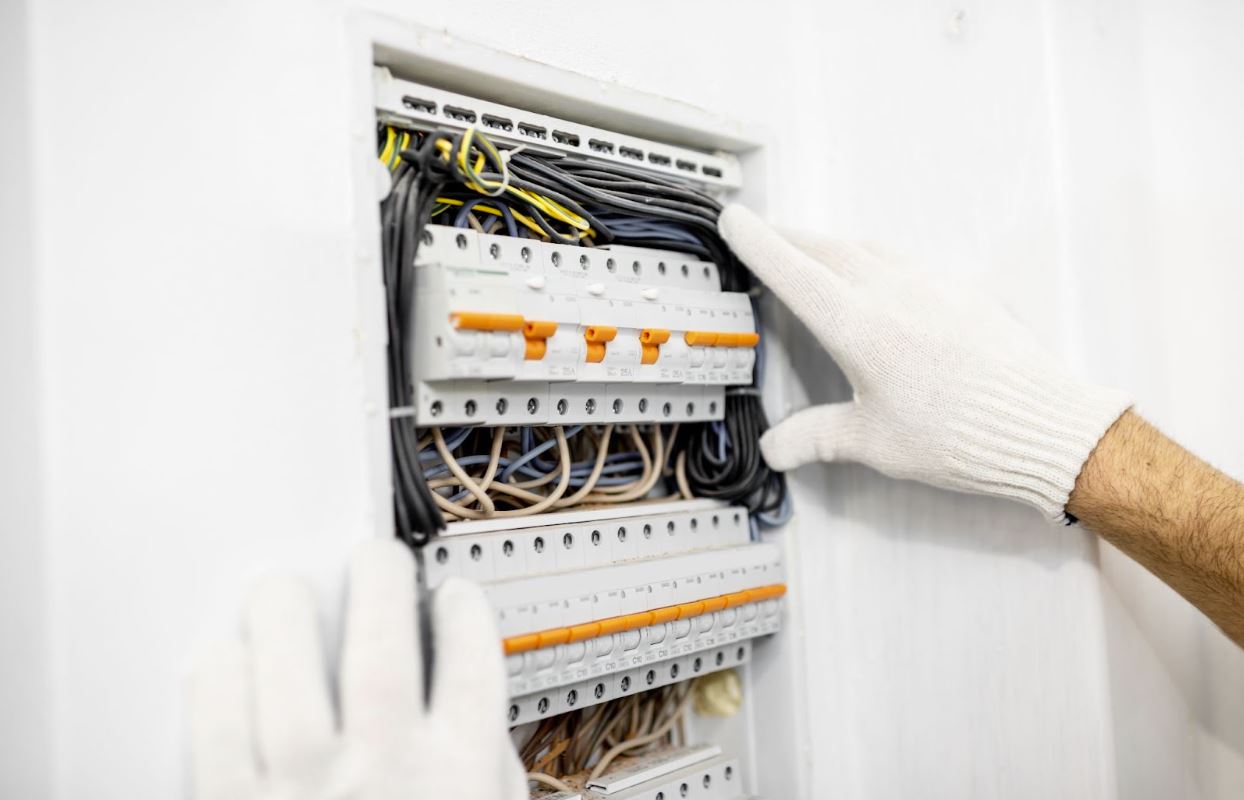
1176, 515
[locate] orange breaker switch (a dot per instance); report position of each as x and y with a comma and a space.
485, 321
597, 336
700, 338
650, 341
715, 339
536, 334
631, 622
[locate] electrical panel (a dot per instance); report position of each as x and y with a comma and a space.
574, 358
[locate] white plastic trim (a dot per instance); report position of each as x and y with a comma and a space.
417, 105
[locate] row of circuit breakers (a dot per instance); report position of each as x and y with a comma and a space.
594, 608
514, 331
592, 604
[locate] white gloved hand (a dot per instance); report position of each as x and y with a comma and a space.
949, 389
261, 714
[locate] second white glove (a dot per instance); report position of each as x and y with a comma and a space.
949, 390
263, 725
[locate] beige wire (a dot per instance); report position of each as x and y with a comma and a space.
648, 463
680, 475
476, 491
602, 452
639, 741
540, 502
655, 458
514, 490
535, 483
549, 780
494, 457
638, 491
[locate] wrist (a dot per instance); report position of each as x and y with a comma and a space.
1029, 439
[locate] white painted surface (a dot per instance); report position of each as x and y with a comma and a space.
199, 391
25, 691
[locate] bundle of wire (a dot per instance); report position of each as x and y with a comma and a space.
479, 473
463, 179
568, 751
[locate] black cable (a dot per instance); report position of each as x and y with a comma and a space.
403, 216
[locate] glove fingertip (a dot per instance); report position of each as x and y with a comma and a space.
733, 219
382, 555
778, 452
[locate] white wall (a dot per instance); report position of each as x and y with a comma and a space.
1151, 131
24, 686
198, 384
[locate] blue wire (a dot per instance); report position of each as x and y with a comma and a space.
453, 441
782, 515
461, 220
535, 451
465, 461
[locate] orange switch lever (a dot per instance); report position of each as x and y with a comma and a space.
600, 334
537, 332
539, 329
596, 337
485, 321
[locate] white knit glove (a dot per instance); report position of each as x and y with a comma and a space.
262, 720
949, 389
